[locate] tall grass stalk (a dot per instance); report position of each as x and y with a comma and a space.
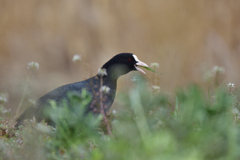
23, 97
102, 108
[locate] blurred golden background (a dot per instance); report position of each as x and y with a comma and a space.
185, 37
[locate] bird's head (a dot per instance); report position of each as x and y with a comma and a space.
123, 63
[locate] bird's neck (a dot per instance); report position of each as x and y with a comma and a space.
115, 71
112, 76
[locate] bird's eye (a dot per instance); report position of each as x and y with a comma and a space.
129, 59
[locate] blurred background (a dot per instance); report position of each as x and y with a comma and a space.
187, 38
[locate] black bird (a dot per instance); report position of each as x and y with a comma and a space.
119, 65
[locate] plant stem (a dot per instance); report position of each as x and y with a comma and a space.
209, 96
23, 97
102, 109
153, 77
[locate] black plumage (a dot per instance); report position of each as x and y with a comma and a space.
119, 65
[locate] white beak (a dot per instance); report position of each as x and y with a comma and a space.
139, 63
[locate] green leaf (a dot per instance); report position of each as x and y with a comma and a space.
150, 69
176, 107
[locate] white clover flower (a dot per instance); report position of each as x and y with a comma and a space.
76, 58
114, 111
105, 89
33, 65
230, 85
235, 111
4, 111
33, 120
222, 70
102, 72
17, 134
3, 97
216, 69
19, 141
43, 128
156, 88
154, 65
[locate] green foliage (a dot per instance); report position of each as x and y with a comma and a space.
75, 131
146, 126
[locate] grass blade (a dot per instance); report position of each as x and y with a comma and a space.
150, 69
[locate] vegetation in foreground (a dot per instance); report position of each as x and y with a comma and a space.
148, 125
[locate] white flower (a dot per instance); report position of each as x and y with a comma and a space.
235, 111
4, 111
33, 65
33, 120
16, 134
218, 69
105, 89
76, 58
215, 68
230, 85
114, 111
19, 141
156, 88
221, 70
43, 128
102, 72
154, 65
3, 97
